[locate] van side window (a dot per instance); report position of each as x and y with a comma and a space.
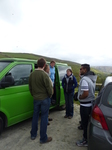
36, 66
3, 65
21, 74
62, 71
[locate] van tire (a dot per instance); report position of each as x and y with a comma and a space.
1, 125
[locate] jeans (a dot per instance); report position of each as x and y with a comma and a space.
85, 115
69, 104
43, 106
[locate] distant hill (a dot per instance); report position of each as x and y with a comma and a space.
75, 66
105, 69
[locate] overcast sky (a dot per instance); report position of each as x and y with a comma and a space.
74, 30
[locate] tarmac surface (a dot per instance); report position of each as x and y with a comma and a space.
63, 131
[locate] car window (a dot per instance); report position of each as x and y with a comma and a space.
108, 80
3, 65
109, 100
107, 95
62, 71
21, 74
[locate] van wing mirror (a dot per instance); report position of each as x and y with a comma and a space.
7, 81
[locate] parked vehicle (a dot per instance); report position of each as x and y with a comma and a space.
100, 127
16, 102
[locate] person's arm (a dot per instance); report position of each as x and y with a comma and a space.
48, 86
75, 82
63, 82
54, 72
84, 95
84, 89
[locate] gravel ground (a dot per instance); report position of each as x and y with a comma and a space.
63, 131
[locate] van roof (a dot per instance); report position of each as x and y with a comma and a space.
26, 60
17, 59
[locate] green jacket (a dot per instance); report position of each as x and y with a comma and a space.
40, 85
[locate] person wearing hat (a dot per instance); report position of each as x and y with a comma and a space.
47, 70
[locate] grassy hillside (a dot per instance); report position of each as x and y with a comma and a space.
105, 69
75, 66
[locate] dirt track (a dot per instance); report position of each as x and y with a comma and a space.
63, 131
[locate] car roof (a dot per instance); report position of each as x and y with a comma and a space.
26, 60
107, 80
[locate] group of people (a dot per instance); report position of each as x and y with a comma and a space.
86, 97
41, 88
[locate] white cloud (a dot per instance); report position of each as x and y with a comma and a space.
10, 11
79, 31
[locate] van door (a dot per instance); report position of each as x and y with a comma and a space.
16, 100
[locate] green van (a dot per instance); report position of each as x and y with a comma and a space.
16, 102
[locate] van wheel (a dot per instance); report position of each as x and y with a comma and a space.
1, 125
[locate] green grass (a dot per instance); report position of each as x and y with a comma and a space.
77, 102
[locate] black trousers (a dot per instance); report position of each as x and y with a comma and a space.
85, 115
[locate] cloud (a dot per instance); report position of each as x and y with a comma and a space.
79, 31
10, 11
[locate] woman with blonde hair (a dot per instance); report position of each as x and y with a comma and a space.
47, 70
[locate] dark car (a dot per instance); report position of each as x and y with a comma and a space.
100, 127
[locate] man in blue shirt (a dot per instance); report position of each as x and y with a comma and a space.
52, 76
52, 71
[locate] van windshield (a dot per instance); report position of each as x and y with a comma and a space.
3, 65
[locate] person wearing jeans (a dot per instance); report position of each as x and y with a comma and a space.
47, 70
85, 114
69, 104
41, 89
42, 105
69, 83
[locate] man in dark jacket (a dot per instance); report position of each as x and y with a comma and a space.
41, 89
